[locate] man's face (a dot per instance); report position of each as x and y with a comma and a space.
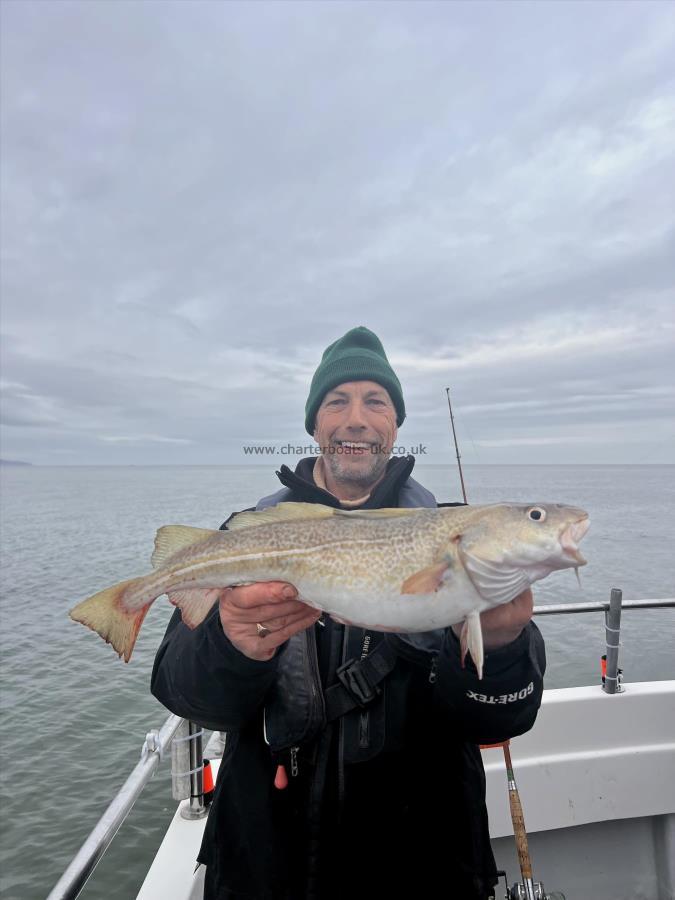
356, 429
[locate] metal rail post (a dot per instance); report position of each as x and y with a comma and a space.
612, 632
196, 809
180, 762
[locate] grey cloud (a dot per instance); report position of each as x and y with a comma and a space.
194, 203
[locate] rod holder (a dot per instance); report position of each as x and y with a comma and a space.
180, 763
612, 634
196, 809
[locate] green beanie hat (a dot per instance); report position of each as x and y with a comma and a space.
357, 356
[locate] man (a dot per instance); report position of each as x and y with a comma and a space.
351, 767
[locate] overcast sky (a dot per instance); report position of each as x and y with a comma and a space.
198, 197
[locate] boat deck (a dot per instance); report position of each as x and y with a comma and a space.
596, 777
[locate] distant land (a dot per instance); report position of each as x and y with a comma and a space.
14, 462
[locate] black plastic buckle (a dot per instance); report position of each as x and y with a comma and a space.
352, 678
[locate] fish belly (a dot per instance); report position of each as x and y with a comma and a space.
371, 606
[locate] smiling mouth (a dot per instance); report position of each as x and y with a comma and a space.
356, 448
570, 538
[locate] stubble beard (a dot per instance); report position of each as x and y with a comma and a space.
363, 476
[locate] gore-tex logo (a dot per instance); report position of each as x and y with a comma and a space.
502, 698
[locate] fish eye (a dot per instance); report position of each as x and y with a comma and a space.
537, 514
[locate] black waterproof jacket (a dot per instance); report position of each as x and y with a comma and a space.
386, 795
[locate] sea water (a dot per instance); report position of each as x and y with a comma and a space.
74, 716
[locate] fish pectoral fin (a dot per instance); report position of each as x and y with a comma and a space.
282, 512
172, 538
495, 582
107, 615
471, 640
426, 581
194, 604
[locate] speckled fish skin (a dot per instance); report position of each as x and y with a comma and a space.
391, 570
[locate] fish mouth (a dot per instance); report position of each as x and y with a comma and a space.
570, 537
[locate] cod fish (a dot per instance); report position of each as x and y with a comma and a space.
405, 570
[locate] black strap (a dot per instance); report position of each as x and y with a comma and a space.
359, 680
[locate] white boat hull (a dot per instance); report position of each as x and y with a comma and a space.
596, 777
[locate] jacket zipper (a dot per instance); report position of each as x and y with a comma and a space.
281, 778
364, 731
314, 677
341, 734
320, 770
432, 669
364, 718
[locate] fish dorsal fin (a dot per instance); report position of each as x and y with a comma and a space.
172, 538
288, 512
282, 512
384, 513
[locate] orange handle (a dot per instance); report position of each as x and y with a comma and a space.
520, 835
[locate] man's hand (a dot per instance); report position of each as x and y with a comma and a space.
272, 604
504, 623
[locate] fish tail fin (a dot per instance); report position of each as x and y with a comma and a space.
471, 640
107, 614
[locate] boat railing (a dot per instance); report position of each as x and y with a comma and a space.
184, 738
611, 678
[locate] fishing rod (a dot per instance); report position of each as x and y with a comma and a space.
519, 830
454, 435
528, 890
